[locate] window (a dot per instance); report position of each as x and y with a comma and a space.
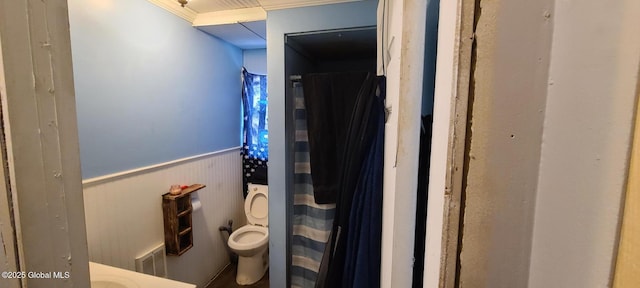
256, 122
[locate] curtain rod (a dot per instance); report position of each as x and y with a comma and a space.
332, 31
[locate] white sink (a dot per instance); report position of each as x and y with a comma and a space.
112, 281
103, 276
106, 284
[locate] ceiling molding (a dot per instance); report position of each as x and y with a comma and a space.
237, 15
286, 4
230, 16
174, 7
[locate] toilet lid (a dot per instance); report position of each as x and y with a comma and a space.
256, 205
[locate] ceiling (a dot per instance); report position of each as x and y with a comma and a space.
239, 22
247, 35
204, 6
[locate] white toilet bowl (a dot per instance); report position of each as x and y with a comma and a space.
251, 241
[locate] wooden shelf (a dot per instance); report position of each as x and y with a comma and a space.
185, 212
185, 191
184, 231
177, 214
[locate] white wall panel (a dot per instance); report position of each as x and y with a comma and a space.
587, 138
124, 215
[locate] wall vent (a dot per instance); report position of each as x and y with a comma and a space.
153, 262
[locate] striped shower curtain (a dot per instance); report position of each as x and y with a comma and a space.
312, 222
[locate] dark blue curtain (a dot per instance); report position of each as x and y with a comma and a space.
352, 257
255, 148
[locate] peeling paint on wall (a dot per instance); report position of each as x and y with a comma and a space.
508, 95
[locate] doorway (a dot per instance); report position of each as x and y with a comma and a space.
344, 52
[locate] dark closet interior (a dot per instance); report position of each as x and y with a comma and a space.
339, 55
342, 51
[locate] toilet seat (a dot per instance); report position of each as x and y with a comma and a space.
256, 206
248, 237
254, 235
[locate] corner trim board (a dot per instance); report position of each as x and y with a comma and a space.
457, 162
101, 179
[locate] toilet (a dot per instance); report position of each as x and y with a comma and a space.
251, 241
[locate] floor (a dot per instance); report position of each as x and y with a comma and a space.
227, 279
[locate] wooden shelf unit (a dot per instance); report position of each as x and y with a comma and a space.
178, 230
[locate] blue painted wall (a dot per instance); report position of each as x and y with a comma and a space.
279, 23
150, 88
255, 60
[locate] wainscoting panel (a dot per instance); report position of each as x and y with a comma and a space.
124, 214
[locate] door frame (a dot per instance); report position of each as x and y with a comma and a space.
450, 123
625, 272
44, 194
